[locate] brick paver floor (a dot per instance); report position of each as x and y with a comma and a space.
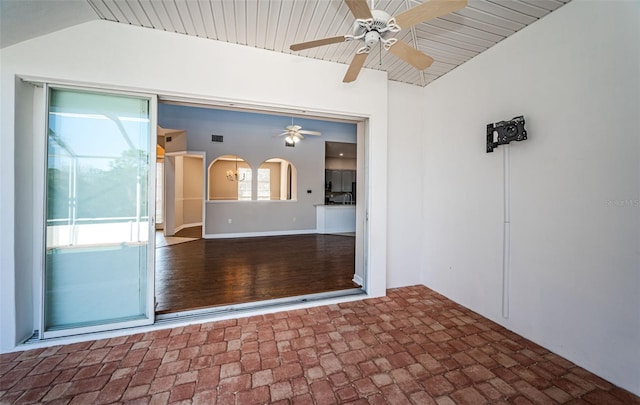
412, 347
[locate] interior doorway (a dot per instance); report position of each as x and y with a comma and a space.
183, 189
361, 254
236, 262
159, 210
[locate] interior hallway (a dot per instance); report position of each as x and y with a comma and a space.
413, 346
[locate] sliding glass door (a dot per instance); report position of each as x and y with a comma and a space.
99, 211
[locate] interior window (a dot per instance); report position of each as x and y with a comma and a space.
277, 180
229, 178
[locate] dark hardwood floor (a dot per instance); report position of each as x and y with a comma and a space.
213, 272
191, 232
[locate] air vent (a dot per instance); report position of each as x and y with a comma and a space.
217, 138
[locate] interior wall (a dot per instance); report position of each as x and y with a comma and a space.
192, 193
179, 193
404, 195
169, 195
176, 142
574, 284
288, 180
274, 178
254, 138
120, 56
342, 163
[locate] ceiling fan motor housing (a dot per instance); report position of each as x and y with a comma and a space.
372, 36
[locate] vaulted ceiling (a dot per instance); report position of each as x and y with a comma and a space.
274, 25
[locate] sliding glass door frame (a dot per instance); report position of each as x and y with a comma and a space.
148, 317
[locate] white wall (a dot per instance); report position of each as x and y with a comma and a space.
575, 185
404, 194
117, 55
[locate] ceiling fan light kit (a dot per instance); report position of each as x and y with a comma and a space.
292, 139
374, 30
295, 133
376, 27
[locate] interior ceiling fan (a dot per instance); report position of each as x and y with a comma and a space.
377, 26
295, 133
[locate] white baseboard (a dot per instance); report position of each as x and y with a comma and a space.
257, 234
358, 280
183, 226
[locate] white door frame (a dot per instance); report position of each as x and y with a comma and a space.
169, 189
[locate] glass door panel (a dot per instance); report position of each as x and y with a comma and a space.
99, 253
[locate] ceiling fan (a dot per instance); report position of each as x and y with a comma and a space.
376, 26
295, 133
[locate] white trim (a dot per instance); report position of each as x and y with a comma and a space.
248, 201
143, 320
42, 204
358, 280
257, 234
185, 153
217, 102
150, 309
183, 226
280, 302
205, 191
190, 319
222, 103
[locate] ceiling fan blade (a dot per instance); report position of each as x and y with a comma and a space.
354, 68
411, 55
284, 133
295, 127
318, 42
304, 131
428, 10
359, 9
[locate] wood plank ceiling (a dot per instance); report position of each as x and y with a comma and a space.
274, 25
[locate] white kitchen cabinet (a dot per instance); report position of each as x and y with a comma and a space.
335, 218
